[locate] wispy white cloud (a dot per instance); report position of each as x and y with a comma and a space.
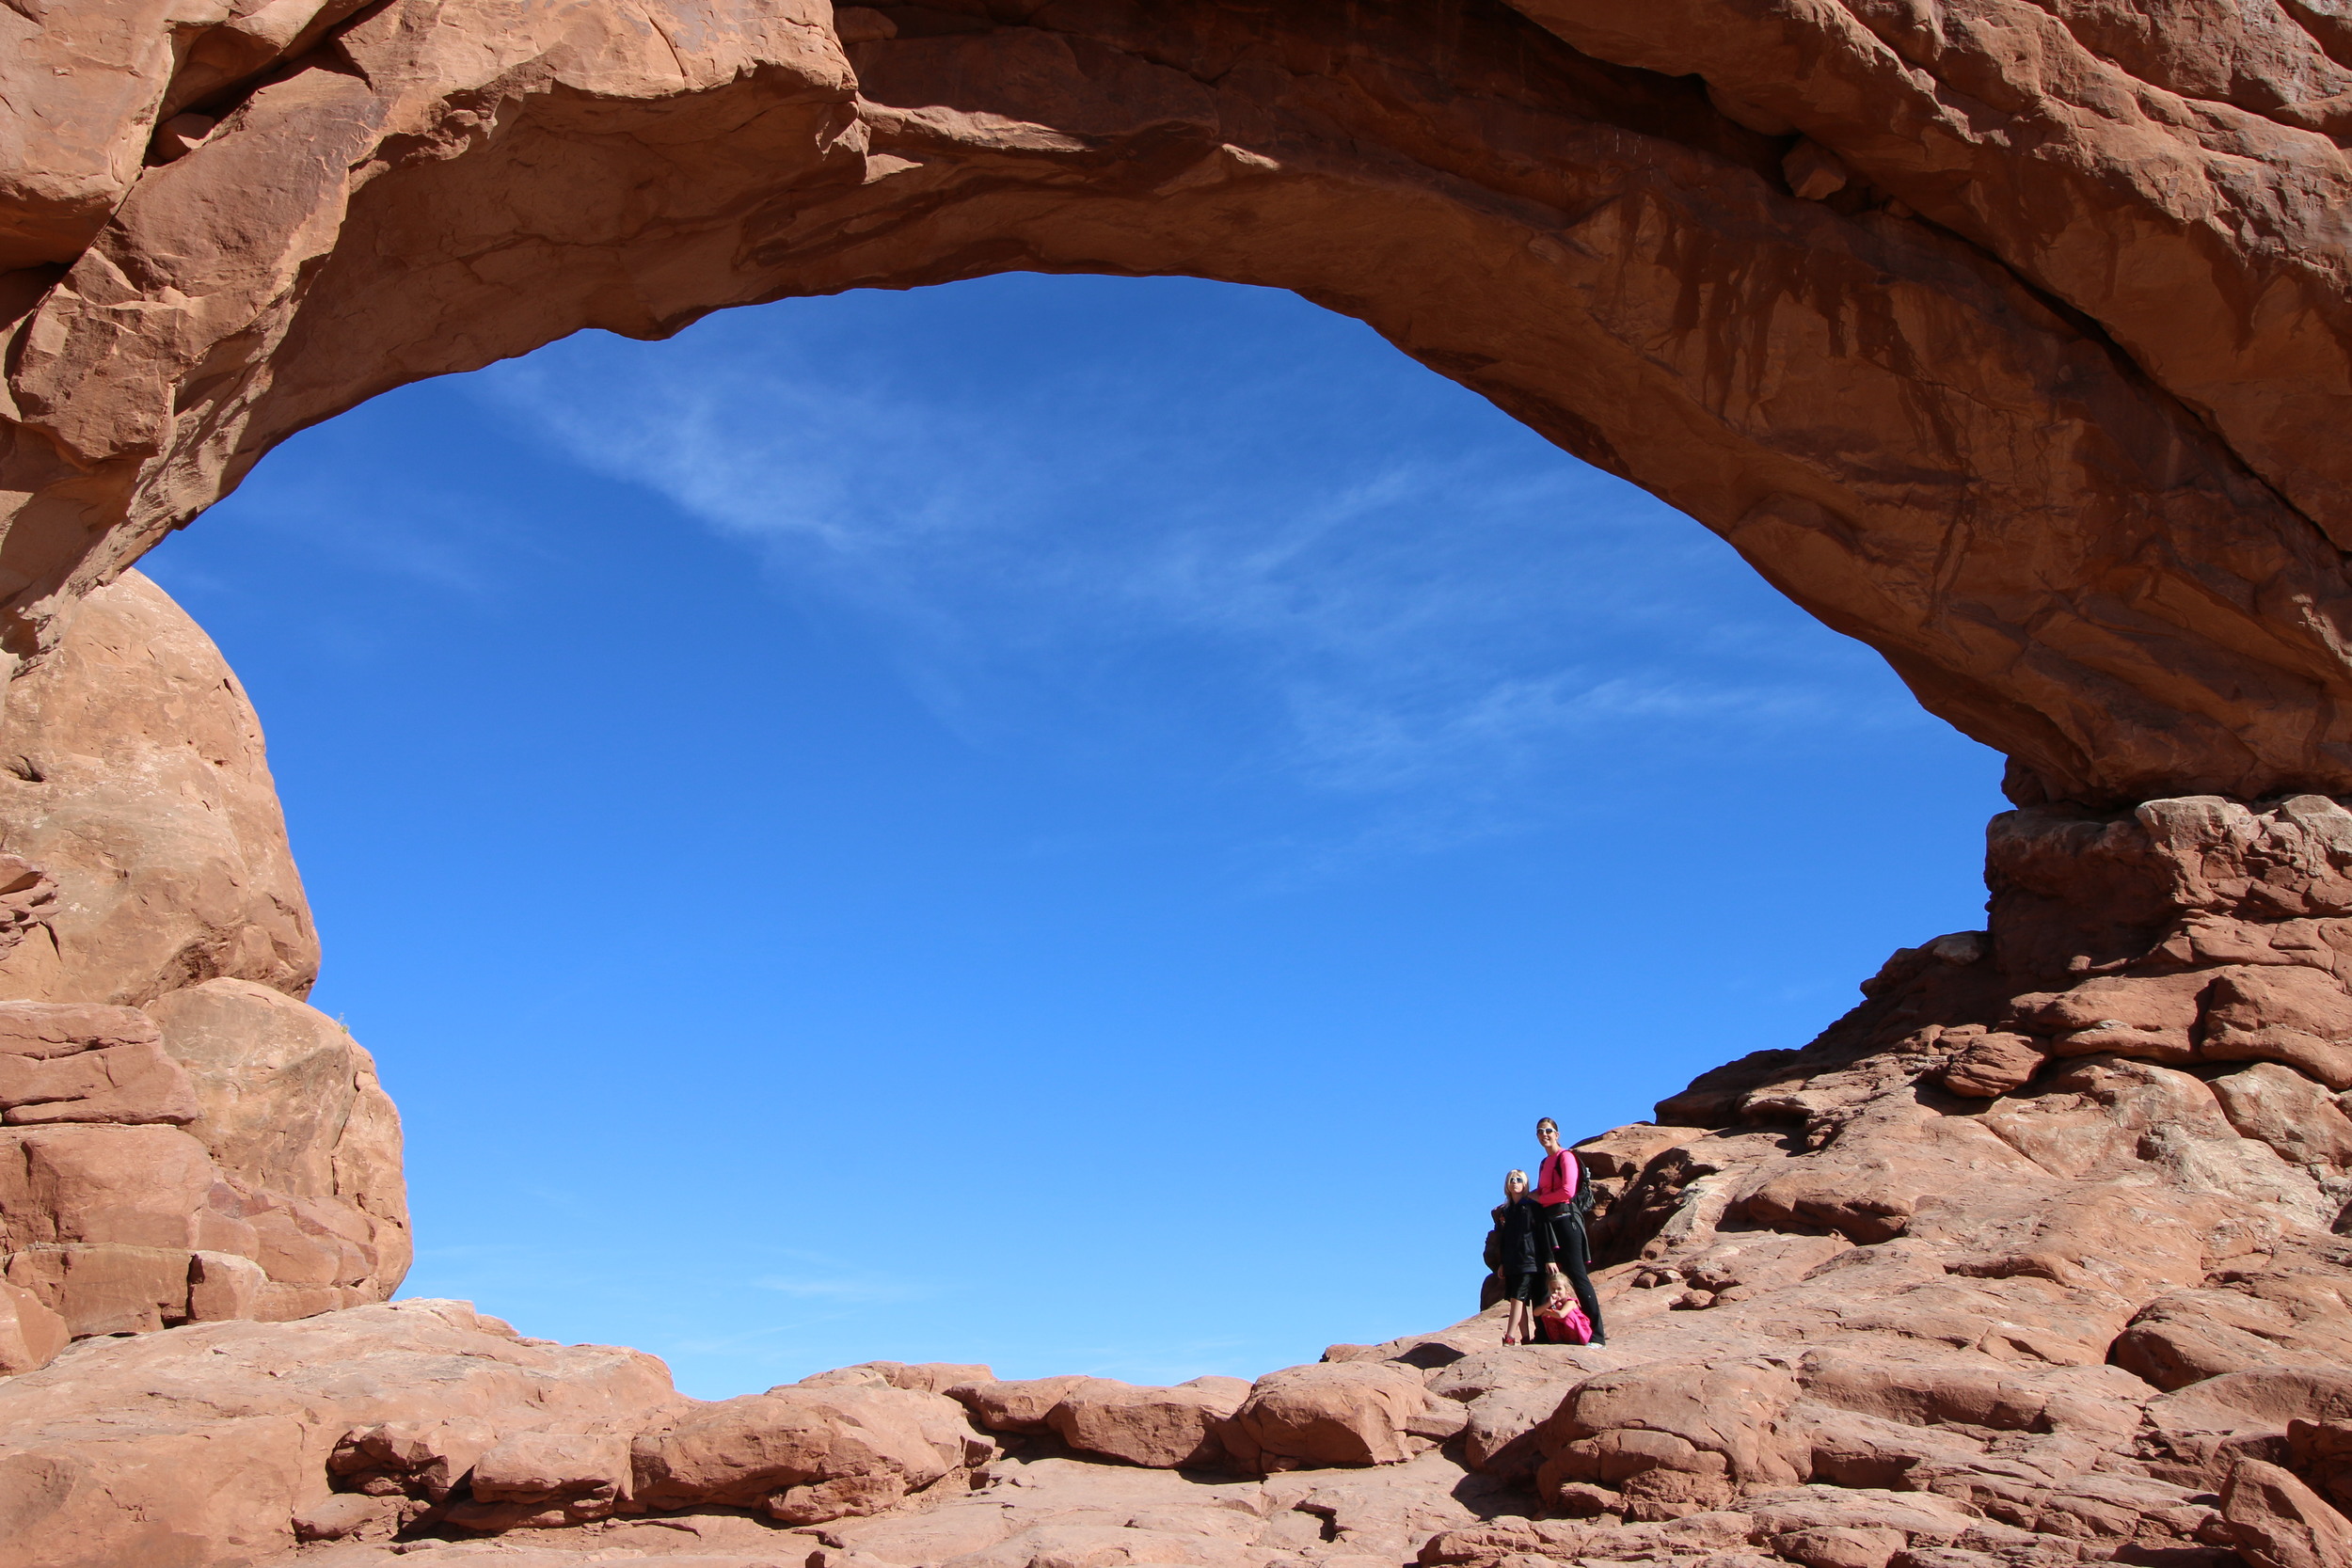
1348, 743
845, 1290
1431, 630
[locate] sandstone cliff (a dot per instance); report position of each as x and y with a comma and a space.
223, 1149
2010, 337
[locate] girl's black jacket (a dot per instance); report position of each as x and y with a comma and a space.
1520, 1242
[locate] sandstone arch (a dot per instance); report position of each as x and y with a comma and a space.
2033, 394
2008, 337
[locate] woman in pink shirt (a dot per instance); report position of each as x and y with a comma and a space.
1556, 1186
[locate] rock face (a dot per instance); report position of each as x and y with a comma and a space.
222, 1152
2012, 343
2009, 338
131, 1199
2031, 1260
206, 1445
131, 774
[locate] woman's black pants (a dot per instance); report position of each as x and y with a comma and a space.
1572, 1250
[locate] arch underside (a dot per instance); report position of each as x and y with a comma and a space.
2033, 396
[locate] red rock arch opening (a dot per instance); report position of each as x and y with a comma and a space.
2009, 339
1899, 382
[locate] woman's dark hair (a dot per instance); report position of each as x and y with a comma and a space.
1542, 1122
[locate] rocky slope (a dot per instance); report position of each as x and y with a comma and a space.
2033, 1258
2009, 335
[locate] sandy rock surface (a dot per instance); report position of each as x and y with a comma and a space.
2014, 342
133, 776
1857, 1320
2011, 337
221, 1150
203, 1444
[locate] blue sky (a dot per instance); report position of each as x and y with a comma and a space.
1072, 823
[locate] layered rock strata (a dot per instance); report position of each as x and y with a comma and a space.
2010, 340
133, 774
2033, 1259
222, 1150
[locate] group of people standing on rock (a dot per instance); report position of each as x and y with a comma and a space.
1540, 1253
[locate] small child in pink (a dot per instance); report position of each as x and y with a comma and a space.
1559, 1320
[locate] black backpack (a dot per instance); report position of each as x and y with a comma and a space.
1582, 1204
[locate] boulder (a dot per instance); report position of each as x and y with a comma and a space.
2278, 1522
1164, 1429
544, 1466
1021, 1407
804, 1454
425, 1460
207, 1443
545, 1481
1331, 1413
136, 779
1993, 1063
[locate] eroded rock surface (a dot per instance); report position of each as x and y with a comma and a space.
2087, 1304
2011, 337
133, 775
128, 1203
222, 1150
205, 1445
2010, 340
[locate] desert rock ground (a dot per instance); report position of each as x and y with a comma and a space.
2011, 337
2032, 1258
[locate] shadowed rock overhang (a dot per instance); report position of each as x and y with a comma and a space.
2009, 339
